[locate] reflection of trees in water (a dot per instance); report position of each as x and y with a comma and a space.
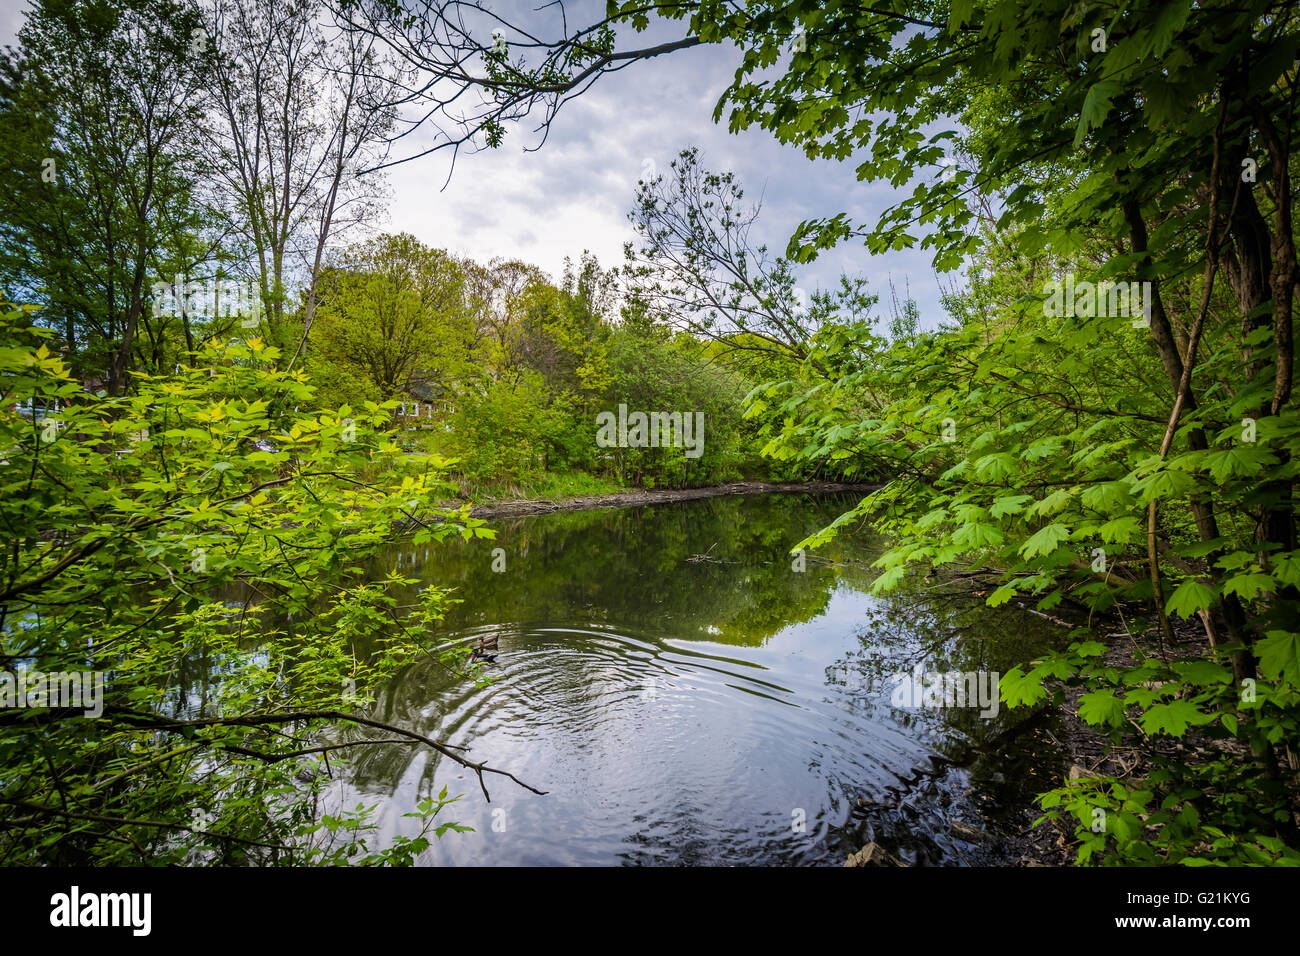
574, 695
626, 569
402, 702
952, 632
636, 572
630, 568
944, 627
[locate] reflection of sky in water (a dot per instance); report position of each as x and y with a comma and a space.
685, 696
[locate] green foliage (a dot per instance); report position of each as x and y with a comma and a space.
98, 111
1045, 479
203, 546
508, 427
353, 849
1033, 442
393, 320
657, 373
1211, 808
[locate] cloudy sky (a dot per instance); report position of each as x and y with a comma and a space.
576, 191
11, 17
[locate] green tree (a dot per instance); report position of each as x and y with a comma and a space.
1111, 144
393, 319
99, 116
218, 587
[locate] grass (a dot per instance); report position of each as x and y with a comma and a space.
551, 485
548, 485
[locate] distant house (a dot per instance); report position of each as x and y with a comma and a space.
429, 401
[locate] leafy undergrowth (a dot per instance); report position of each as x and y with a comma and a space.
1171, 756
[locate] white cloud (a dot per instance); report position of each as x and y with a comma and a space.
575, 192
12, 15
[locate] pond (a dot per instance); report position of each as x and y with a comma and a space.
688, 693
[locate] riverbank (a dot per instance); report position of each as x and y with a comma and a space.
1089, 753
640, 496
1014, 839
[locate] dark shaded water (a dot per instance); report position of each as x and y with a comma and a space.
686, 696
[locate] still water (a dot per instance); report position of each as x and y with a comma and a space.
686, 695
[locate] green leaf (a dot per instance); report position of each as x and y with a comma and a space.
1164, 484
1001, 596
1053, 503
888, 580
1096, 105
1189, 597
1238, 460
1203, 673
1279, 656
1173, 717
1045, 540
960, 13
1171, 19
977, 535
1009, 505
995, 467
1107, 497
1286, 569
1247, 586
1123, 530
1101, 707
1124, 826
1018, 688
